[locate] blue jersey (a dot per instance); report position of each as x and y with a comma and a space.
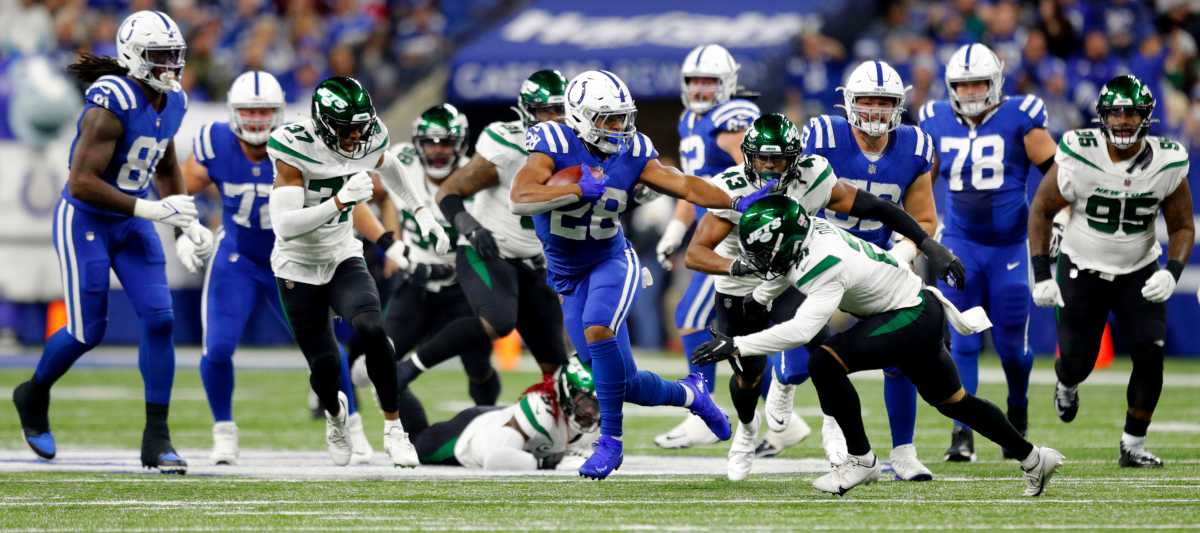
699, 154
146, 136
578, 236
245, 187
985, 167
909, 154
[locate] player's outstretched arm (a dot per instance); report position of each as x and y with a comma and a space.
852, 201
812, 315
99, 133
289, 217
478, 174
673, 235
1040, 148
530, 195
701, 252
672, 182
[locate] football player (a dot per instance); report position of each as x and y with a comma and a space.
132, 109
711, 129
500, 266
773, 155
1115, 178
321, 178
871, 149
590, 263
985, 144
552, 420
902, 324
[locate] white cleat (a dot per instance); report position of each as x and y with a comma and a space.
336, 437
853, 472
906, 465
358, 373
1048, 460
741, 450
225, 443
397, 446
691, 432
775, 441
833, 441
362, 450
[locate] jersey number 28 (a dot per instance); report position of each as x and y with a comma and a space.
600, 213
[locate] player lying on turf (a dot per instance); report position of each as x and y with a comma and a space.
554, 419
902, 325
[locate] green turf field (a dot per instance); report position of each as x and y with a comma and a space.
102, 408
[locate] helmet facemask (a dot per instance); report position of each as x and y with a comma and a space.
975, 104
350, 139
611, 131
702, 93
439, 153
874, 114
254, 123
1132, 123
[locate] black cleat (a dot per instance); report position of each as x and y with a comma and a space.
33, 407
1019, 418
157, 452
1066, 402
962, 446
1138, 458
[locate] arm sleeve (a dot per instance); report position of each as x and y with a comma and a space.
291, 219
392, 176
867, 205
811, 316
767, 291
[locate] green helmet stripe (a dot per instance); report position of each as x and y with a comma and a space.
528, 411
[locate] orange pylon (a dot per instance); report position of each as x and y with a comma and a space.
1104, 358
56, 317
508, 351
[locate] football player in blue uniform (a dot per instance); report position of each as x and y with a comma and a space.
590, 263
870, 149
124, 138
985, 144
711, 129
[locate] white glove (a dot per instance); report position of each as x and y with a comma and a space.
1159, 287
672, 237
398, 253
1046, 294
430, 229
359, 188
647, 278
904, 252
177, 210
194, 247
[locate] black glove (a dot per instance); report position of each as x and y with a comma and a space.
484, 243
720, 348
944, 263
422, 273
741, 267
754, 312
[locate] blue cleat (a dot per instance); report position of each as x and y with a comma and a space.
704, 407
33, 406
157, 452
607, 456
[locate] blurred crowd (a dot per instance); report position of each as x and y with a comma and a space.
1061, 50
387, 43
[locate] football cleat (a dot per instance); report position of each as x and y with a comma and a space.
906, 466
690, 432
833, 441
607, 455
1066, 401
362, 450
1036, 478
704, 407
33, 409
853, 472
397, 445
962, 446
775, 441
1138, 457
1019, 418
157, 452
779, 408
225, 443
336, 438
741, 450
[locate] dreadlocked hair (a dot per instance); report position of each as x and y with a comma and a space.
546, 388
89, 67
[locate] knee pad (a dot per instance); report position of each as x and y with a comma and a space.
159, 322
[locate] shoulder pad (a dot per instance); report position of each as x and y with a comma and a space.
643, 147
734, 115
113, 93
202, 144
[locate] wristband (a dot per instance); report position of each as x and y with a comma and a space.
1175, 268
1041, 267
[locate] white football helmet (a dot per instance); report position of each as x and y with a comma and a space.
255, 89
975, 62
709, 61
149, 41
874, 78
595, 99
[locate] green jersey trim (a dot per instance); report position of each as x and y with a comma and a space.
278, 146
821, 267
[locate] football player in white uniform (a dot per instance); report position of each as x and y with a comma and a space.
902, 324
1115, 179
322, 169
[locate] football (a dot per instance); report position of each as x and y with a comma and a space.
568, 176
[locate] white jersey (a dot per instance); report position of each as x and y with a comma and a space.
837, 271
313, 257
547, 434
420, 249
503, 144
812, 192
1114, 209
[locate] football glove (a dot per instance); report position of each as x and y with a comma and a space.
484, 243
720, 348
670, 241
177, 210
422, 273
359, 188
432, 230
741, 267
944, 263
1159, 287
590, 186
1047, 294
742, 203
194, 247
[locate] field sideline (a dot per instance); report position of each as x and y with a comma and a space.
285, 482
